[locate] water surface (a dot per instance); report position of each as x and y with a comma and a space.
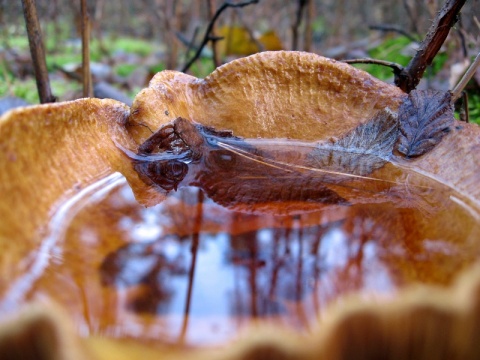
240, 240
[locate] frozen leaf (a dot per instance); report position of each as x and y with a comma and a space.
248, 175
361, 151
424, 119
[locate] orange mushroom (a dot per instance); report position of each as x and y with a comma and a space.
50, 153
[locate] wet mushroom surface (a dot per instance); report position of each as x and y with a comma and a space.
250, 231
205, 227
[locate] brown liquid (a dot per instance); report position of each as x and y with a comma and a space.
193, 271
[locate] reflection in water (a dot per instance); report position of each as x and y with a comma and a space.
205, 276
251, 232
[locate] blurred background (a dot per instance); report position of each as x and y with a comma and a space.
132, 40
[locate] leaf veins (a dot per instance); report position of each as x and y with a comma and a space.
425, 117
366, 148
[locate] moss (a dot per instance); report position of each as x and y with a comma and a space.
130, 45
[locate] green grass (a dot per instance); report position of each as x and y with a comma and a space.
125, 69
202, 67
389, 50
130, 45
25, 89
157, 68
60, 60
17, 42
473, 107
62, 86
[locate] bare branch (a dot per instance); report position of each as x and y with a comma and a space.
393, 28
247, 28
37, 51
208, 36
216, 58
409, 78
397, 68
463, 112
298, 20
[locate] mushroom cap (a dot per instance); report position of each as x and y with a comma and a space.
49, 153
284, 94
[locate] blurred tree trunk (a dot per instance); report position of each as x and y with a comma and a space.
87, 76
37, 51
307, 45
301, 4
167, 12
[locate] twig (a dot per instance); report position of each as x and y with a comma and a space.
409, 78
457, 91
392, 28
215, 57
464, 115
413, 19
87, 76
37, 51
461, 35
207, 36
190, 44
397, 68
308, 27
247, 28
298, 19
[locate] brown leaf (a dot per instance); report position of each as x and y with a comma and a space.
363, 150
247, 176
425, 117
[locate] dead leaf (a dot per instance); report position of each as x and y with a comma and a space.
232, 172
365, 149
425, 117
237, 40
258, 176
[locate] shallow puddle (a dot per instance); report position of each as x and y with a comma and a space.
258, 241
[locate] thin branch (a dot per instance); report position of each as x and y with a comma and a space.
463, 112
215, 57
397, 68
393, 28
409, 78
249, 31
208, 32
87, 76
37, 51
413, 20
298, 20
457, 91
461, 36
189, 43
308, 34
